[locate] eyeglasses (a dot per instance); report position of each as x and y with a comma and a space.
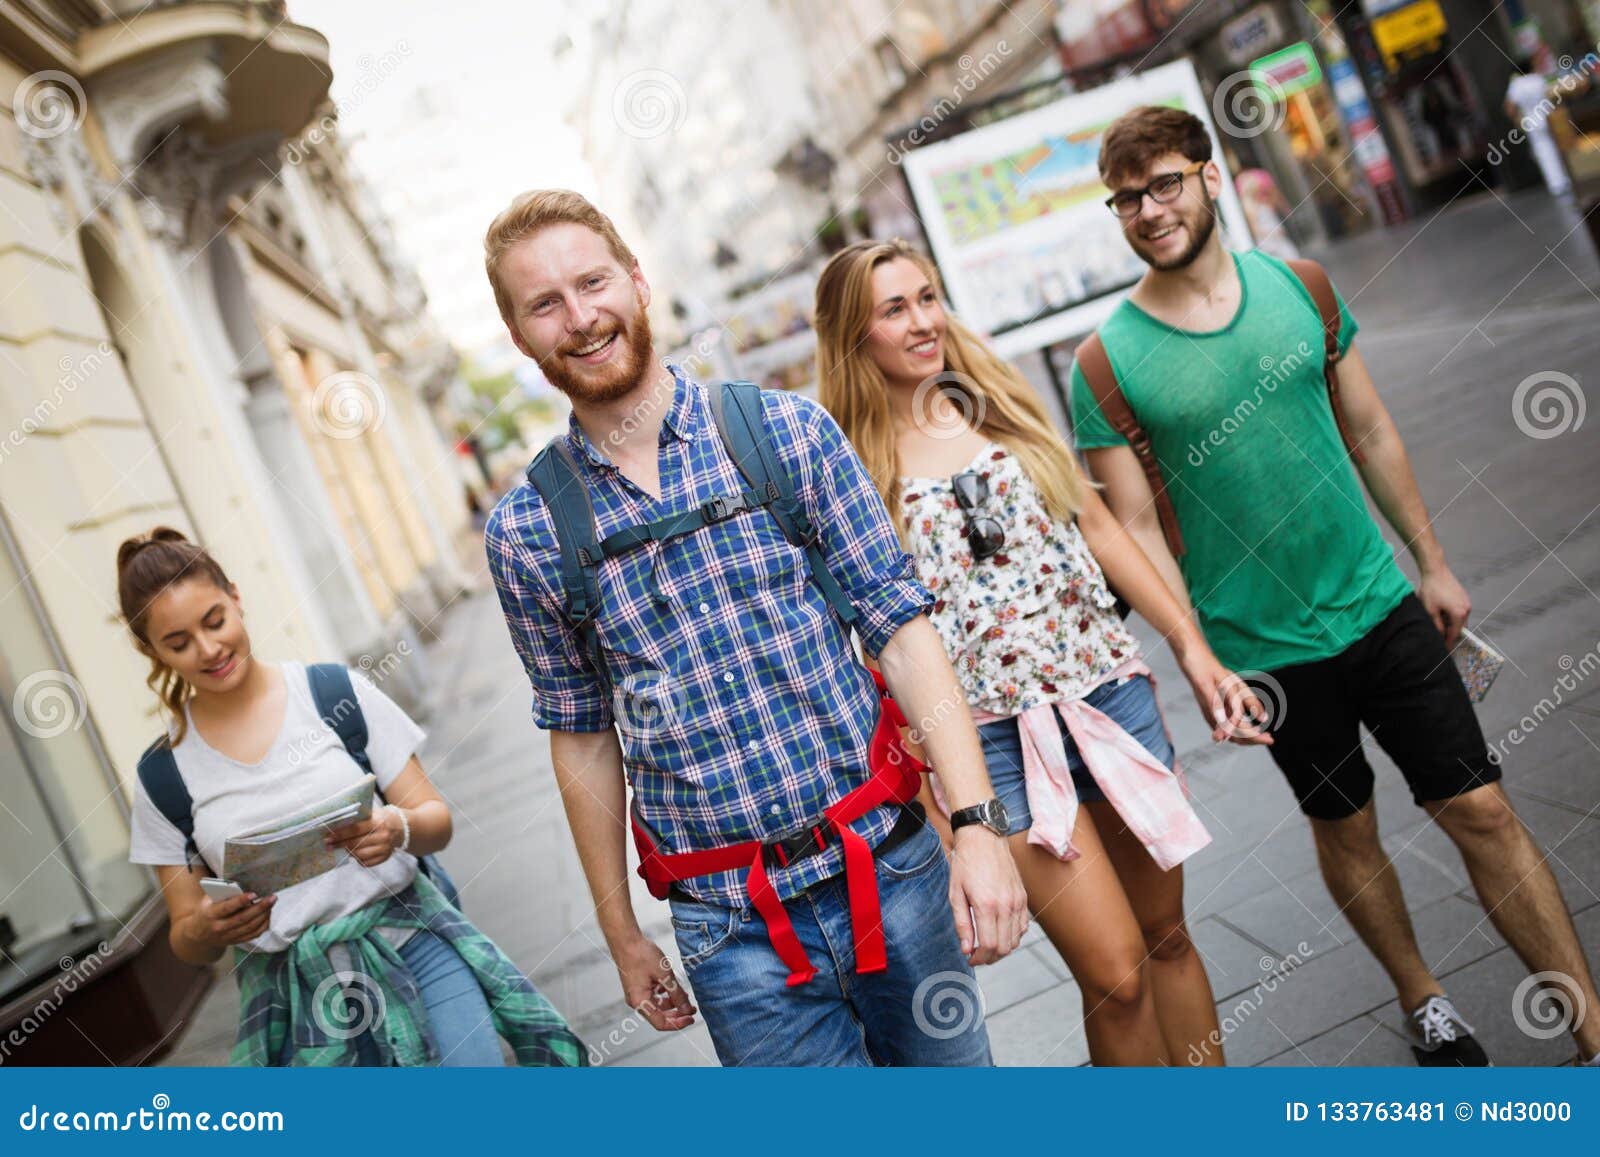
1127, 203
985, 536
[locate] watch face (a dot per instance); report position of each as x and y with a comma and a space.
996, 818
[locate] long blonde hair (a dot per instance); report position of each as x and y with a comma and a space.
852, 388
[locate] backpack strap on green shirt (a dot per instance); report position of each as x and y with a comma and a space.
1317, 282
1102, 382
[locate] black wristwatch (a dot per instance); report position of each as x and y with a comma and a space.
991, 813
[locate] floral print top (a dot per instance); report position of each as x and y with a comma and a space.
1032, 624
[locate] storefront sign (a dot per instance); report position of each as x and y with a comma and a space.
1407, 31
1287, 71
1254, 32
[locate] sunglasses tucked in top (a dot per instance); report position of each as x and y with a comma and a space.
985, 535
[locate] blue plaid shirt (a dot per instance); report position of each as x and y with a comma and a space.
741, 709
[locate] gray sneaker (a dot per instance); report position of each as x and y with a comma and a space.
1441, 1038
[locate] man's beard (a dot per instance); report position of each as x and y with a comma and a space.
1199, 233
606, 383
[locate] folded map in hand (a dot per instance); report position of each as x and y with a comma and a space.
1478, 663
291, 850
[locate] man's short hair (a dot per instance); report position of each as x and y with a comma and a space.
1141, 135
533, 211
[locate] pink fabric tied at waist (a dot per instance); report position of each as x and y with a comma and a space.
1152, 800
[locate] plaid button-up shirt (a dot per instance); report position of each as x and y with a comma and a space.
741, 709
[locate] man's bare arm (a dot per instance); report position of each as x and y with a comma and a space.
1388, 476
1127, 492
588, 767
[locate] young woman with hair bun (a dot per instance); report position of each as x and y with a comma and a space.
367, 963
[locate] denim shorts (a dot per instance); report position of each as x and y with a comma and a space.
1131, 703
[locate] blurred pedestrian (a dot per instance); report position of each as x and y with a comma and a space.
1529, 106
1011, 541
817, 918
1253, 473
1266, 208
367, 963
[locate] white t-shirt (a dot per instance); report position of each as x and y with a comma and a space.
305, 765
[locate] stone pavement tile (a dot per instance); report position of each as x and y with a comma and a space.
1301, 911
1044, 1030
1018, 977
1296, 1004
1233, 962
1047, 953
1215, 884
1556, 761
1365, 1040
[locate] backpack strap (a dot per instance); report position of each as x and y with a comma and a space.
1315, 278
335, 697
1102, 381
158, 772
737, 412
555, 475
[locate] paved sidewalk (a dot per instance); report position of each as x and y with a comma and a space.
1456, 311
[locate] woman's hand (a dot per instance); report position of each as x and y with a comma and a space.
216, 924
370, 841
1227, 702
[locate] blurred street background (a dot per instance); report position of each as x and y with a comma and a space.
242, 293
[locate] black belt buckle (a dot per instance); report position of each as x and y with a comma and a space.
786, 850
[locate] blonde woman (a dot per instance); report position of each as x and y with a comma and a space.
365, 964
1017, 550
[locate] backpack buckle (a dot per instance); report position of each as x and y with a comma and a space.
722, 508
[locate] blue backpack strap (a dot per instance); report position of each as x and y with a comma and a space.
335, 697
158, 772
559, 481
736, 410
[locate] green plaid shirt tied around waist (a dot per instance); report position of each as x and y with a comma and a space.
302, 991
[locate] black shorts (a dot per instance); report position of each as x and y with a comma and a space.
1399, 681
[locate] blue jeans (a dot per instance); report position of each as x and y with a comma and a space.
924, 1010
458, 1012
1131, 703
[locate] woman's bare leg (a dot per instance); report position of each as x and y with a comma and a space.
1082, 908
1185, 1005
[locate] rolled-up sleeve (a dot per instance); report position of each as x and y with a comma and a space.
567, 694
858, 540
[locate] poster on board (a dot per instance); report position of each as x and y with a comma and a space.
1015, 212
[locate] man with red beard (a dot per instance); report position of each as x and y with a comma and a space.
1220, 358
742, 716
